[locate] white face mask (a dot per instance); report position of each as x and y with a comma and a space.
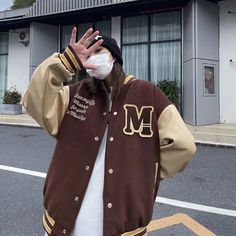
103, 63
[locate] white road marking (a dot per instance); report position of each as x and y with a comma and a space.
163, 200
197, 207
23, 171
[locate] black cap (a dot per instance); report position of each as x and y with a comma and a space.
111, 45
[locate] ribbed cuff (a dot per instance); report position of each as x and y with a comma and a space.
71, 60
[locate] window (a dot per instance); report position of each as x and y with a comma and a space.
65, 36
3, 62
135, 46
151, 46
103, 27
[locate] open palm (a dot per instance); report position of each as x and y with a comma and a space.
81, 47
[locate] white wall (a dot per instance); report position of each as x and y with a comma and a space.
18, 63
227, 69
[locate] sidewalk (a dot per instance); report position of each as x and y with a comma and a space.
218, 134
18, 120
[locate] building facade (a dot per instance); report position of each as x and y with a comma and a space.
191, 41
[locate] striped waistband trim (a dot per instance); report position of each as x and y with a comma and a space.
48, 222
50, 219
46, 226
138, 232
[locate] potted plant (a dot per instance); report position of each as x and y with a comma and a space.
171, 89
11, 102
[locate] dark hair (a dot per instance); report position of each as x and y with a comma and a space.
116, 77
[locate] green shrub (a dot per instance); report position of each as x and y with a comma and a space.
22, 3
171, 88
11, 96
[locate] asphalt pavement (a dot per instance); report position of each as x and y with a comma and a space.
210, 180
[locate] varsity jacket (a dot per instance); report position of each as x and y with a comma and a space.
147, 141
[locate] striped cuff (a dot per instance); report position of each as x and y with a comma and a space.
71, 60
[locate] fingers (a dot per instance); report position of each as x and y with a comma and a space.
88, 37
85, 36
73, 36
95, 46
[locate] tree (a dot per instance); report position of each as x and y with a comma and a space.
22, 3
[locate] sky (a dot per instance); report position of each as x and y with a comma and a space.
5, 4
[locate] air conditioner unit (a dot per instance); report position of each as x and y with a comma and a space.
24, 37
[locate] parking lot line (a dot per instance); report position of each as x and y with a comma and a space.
180, 218
23, 171
163, 200
197, 207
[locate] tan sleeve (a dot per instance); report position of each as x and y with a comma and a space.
46, 99
176, 141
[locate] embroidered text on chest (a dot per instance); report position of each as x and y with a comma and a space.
79, 107
138, 121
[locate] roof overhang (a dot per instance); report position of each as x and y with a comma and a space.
70, 14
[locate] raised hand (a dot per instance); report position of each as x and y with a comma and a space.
81, 47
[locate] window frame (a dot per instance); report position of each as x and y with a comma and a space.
93, 26
5, 54
150, 42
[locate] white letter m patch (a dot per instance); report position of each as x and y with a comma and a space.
138, 121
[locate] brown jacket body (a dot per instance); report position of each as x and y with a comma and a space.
147, 139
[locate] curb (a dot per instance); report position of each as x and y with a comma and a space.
215, 144
27, 125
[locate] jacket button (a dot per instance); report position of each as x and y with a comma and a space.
104, 113
110, 171
96, 138
115, 113
87, 168
111, 139
109, 205
76, 198
64, 231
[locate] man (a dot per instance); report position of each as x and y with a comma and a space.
117, 137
